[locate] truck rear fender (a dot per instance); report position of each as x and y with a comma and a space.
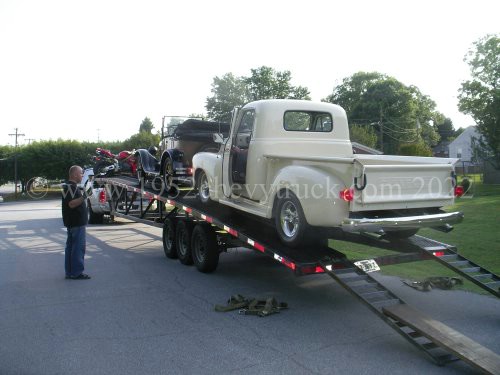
317, 191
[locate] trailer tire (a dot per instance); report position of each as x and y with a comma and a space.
183, 234
205, 251
169, 241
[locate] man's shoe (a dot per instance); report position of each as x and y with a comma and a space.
80, 277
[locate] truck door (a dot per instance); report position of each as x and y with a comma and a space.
236, 153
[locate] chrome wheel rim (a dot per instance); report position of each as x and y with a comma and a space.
204, 190
289, 219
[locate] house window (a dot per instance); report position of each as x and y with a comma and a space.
459, 153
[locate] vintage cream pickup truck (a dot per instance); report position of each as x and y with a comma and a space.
291, 161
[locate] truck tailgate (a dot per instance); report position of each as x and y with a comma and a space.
402, 182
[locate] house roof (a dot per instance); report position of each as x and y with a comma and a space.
468, 133
366, 148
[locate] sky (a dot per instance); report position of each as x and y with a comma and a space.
93, 70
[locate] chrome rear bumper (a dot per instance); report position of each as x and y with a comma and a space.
397, 223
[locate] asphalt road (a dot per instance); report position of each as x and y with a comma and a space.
142, 313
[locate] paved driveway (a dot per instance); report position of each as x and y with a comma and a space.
144, 314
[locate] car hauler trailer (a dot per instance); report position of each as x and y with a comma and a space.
198, 234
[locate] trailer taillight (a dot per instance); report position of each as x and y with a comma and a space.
347, 195
102, 196
189, 171
459, 191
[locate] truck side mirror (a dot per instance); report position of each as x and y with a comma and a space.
218, 138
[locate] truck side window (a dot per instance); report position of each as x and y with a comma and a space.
307, 121
246, 124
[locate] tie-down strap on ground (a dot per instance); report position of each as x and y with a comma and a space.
440, 282
252, 306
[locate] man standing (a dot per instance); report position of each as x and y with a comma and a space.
75, 218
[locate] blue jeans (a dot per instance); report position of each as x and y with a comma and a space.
75, 251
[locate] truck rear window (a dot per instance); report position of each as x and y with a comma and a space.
307, 121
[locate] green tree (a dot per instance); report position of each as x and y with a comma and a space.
350, 92
445, 129
415, 149
146, 126
480, 96
141, 140
6, 164
363, 134
401, 114
230, 91
267, 83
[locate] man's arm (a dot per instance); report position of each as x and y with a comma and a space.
76, 202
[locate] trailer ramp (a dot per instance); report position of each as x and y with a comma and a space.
445, 254
448, 256
440, 342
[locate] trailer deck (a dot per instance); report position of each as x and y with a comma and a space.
235, 229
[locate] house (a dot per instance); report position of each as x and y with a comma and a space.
358, 148
461, 147
442, 150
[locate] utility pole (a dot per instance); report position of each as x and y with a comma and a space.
381, 125
16, 134
29, 140
98, 140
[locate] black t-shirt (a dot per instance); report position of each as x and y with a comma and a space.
73, 217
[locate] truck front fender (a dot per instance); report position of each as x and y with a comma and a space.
317, 192
211, 164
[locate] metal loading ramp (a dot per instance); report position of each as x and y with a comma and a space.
440, 342
459, 345
443, 253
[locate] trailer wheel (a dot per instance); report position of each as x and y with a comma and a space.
183, 234
169, 243
290, 220
203, 187
204, 248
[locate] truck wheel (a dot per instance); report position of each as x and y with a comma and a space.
93, 217
204, 248
290, 221
168, 176
202, 187
169, 243
183, 234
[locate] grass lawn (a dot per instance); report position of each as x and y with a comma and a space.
477, 238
